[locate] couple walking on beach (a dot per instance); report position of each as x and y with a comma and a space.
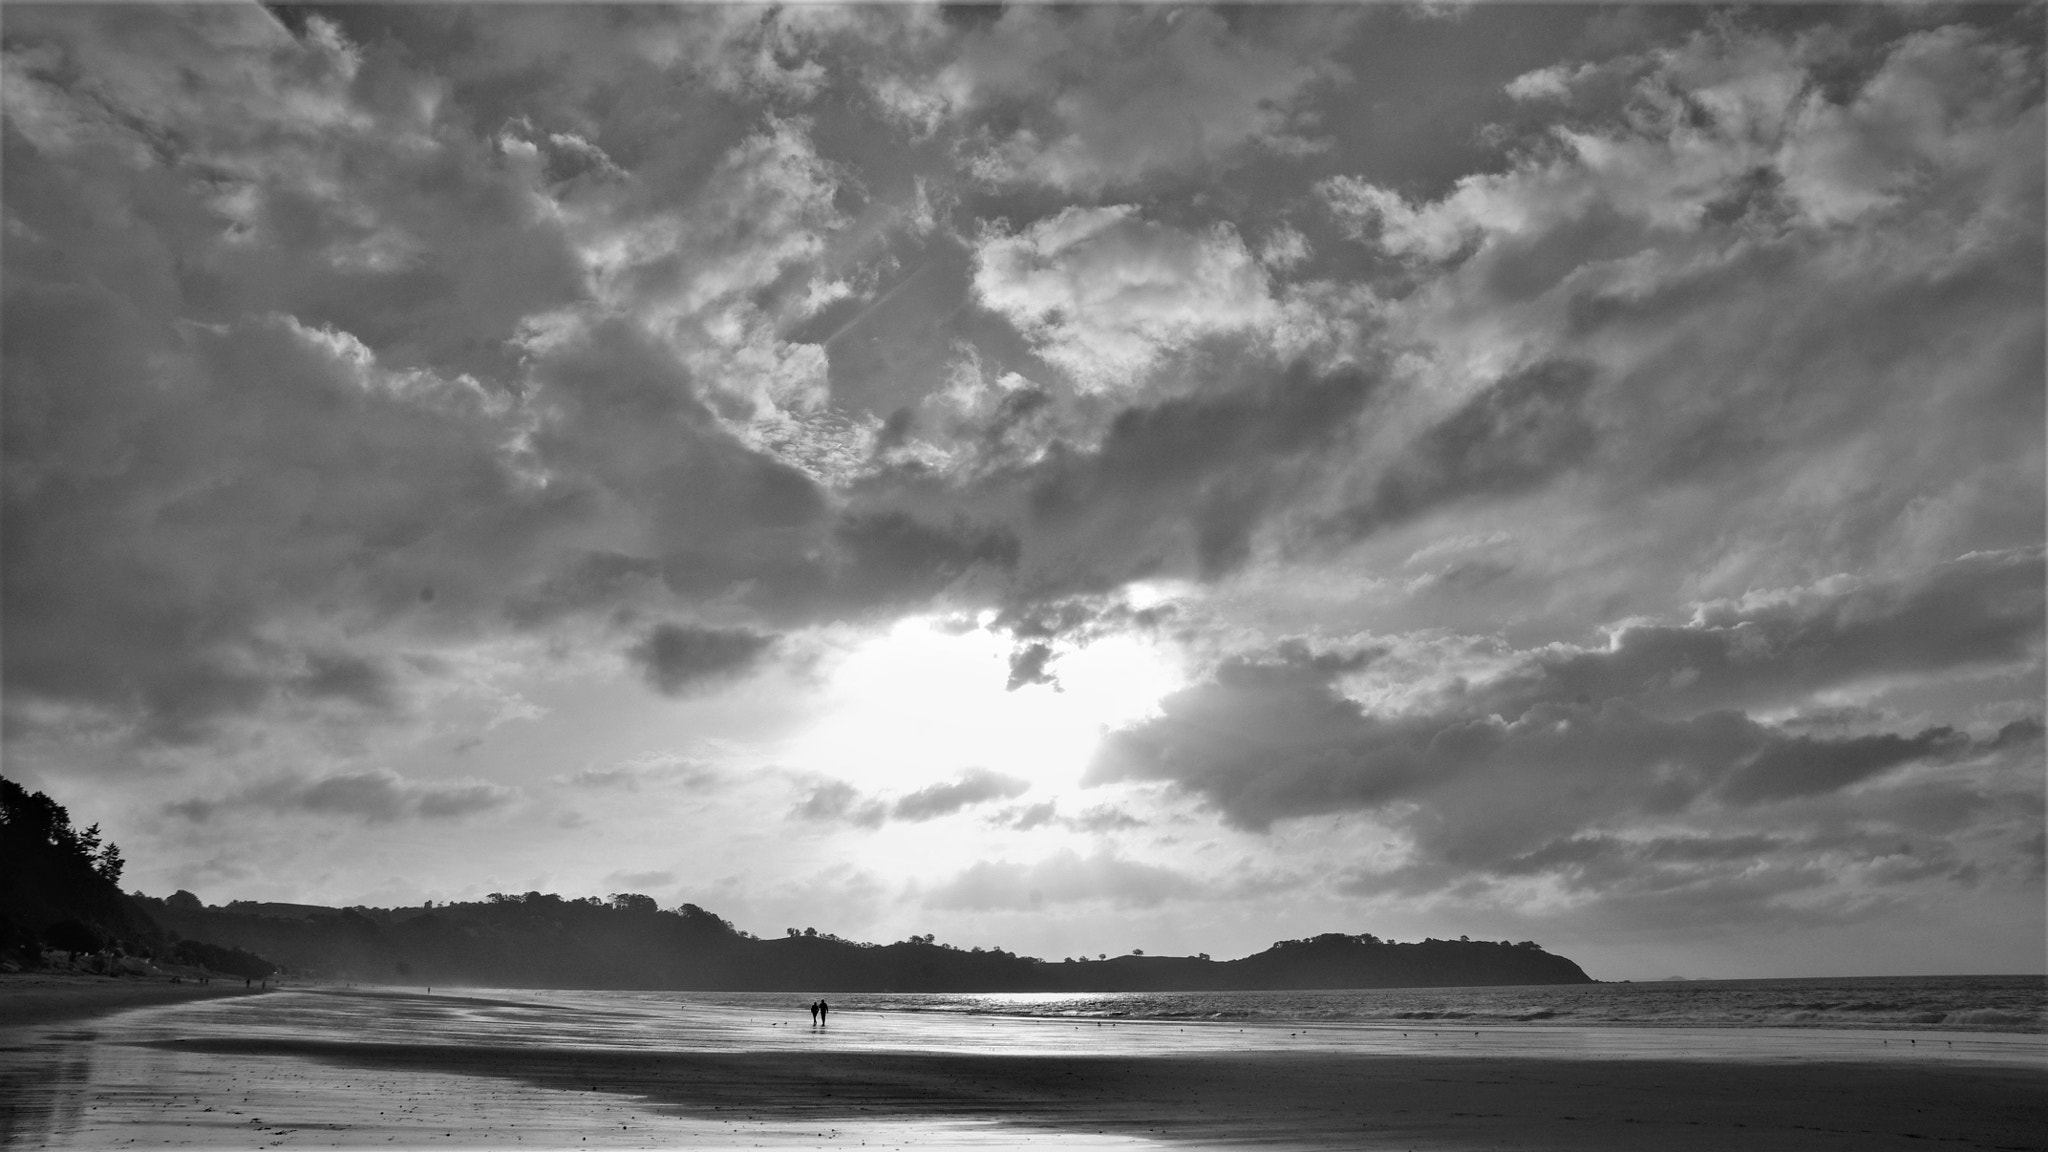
818, 1011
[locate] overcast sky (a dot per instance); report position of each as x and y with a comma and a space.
1073, 481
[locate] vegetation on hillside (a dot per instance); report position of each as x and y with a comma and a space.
627, 941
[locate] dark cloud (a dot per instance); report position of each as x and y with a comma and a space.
1512, 437
1269, 740
1182, 485
1485, 772
1029, 817
1985, 609
1805, 766
1706, 882
836, 800
343, 676
892, 555
688, 774
377, 797
1027, 666
680, 658
975, 786
1104, 818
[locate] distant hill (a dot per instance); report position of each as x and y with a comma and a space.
59, 890
541, 940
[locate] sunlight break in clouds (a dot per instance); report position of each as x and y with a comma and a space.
924, 700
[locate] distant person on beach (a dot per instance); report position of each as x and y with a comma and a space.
814, 1013
823, 1008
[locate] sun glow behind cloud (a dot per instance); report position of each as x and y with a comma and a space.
926, 699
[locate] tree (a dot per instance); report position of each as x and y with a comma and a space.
108, 862
634, 902
72, 937
37, 819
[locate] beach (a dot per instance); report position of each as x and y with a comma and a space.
40, 998
342, 1068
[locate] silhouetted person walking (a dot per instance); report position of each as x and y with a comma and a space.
814, 1013
823, 1008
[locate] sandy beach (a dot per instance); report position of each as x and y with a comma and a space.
340, 1069
43, 998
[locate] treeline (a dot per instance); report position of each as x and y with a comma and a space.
543, 940
60, 899
59, 885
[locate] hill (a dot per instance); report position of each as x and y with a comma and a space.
543, 940
59, 898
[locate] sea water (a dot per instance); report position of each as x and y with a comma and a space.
1948, 1004
1969, 1003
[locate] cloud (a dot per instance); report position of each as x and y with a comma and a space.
1093, 98
1105, 294
1478, 768
1507, 440
1027, 666
1104, 818
380, 796
1692, 377
837, 800
1182, 485
1062, 878
1029, 817
975, 786
681, 658
894, 556
631, 881
630, 775
1983, 610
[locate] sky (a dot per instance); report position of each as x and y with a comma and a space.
1061, 479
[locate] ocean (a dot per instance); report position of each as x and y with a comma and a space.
1967, 1003
1892, 1005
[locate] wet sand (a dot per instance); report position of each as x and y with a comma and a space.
301, 1069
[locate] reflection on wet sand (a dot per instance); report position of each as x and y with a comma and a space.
622, 1069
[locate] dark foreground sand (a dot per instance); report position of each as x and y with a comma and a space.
47, 998
1278, 1099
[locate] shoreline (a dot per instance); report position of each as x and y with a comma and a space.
28, 999
392, 1067
1322, 1100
